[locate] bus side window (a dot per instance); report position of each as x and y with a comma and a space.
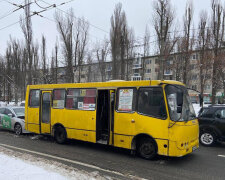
151, 102
81, 99
126, 99
59, 98
34, 98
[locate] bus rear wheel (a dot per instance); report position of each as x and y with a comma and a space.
147, 148
60, 134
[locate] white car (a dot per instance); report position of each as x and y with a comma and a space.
12, 118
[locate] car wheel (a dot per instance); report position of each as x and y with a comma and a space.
207, 138
147, 148
18, 129
60, 135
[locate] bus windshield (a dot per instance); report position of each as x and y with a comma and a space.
179, 103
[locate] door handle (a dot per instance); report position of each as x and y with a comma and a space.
132, 121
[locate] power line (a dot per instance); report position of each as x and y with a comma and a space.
34, 13
18, 8
170, 32
76, 18
55, 22
40, 5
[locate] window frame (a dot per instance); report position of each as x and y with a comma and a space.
64, 97
163, 100
220, 110
11, 112
3, 110
39, 98
135, 103
96, 96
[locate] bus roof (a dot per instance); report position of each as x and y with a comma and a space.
105, 84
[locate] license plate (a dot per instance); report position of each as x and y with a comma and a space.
194, 148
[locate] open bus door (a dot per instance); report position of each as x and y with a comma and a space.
45, 112
105, 116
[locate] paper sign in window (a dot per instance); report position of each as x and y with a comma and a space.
125, 99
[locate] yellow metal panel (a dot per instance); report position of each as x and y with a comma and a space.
76, 134
183, 137
77, 119
162, 147
123, 123
122, 141
35, 128
134, 124
108, 85
33, 115
91, 136
45, 128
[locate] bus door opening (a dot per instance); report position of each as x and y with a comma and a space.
104, 116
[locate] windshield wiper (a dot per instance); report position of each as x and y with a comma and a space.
176, 121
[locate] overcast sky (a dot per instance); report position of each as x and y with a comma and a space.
97, 12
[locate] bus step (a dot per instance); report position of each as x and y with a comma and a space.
101, 141
104, 137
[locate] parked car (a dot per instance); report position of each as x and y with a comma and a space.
12, 118
212, 124
22, 103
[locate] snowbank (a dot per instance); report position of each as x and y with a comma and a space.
22, 166
13, 168
2, 104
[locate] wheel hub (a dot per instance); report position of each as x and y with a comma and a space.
207, 138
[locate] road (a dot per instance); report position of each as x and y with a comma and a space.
204, 163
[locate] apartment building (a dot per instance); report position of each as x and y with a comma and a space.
146, 68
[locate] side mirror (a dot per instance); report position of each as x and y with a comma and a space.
179, 98
179, 109
10, 115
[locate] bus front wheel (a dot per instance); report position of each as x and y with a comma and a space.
147, 148
60, 134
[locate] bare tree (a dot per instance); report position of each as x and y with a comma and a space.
56, 62
218, 25
44, 59
81, 40
163, 17
16, 68
8, 73
102, 51
203, 46
26, 26
36, 72
65, 29
130, 52
222, 74
146, 50
188, 18
118, 39
74, 35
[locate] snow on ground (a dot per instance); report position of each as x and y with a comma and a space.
17, 165
6, 104
13, 168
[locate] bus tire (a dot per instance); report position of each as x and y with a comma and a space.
60, 134
147, 148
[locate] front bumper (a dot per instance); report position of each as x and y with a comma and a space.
179, 149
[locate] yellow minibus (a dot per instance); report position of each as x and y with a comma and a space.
148, 117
